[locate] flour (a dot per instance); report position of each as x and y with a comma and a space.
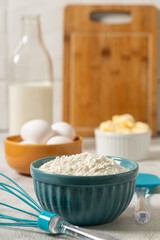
84, 164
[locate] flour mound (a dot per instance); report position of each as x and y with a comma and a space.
84, 164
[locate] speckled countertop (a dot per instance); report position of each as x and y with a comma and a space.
123, 228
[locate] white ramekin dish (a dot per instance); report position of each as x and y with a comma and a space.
133, 146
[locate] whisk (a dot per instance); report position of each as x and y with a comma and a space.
45, 220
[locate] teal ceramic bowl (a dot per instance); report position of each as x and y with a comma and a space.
85, 200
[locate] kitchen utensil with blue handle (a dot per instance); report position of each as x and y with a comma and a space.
145, 183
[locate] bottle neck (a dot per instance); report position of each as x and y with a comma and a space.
31, 29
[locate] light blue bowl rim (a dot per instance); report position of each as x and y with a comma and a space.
65, 180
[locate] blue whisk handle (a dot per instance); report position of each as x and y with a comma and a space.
54, 224
44, 220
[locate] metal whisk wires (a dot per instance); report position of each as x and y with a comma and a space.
14, 189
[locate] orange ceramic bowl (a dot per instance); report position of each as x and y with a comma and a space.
19, 156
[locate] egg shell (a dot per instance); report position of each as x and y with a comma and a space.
64, 129
58, 140
36, 130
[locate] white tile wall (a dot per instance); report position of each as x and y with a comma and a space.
3, 63
51, 12
3, 39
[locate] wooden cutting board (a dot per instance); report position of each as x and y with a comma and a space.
109, 68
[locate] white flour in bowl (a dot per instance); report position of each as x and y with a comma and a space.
84, 164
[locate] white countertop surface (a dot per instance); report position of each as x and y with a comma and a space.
123, 228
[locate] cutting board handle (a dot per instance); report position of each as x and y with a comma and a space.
138, 17
111, 15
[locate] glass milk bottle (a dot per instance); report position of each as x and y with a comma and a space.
30, 88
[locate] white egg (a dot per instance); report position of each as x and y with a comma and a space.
64, 129
36, 130
27, 142
58, 140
